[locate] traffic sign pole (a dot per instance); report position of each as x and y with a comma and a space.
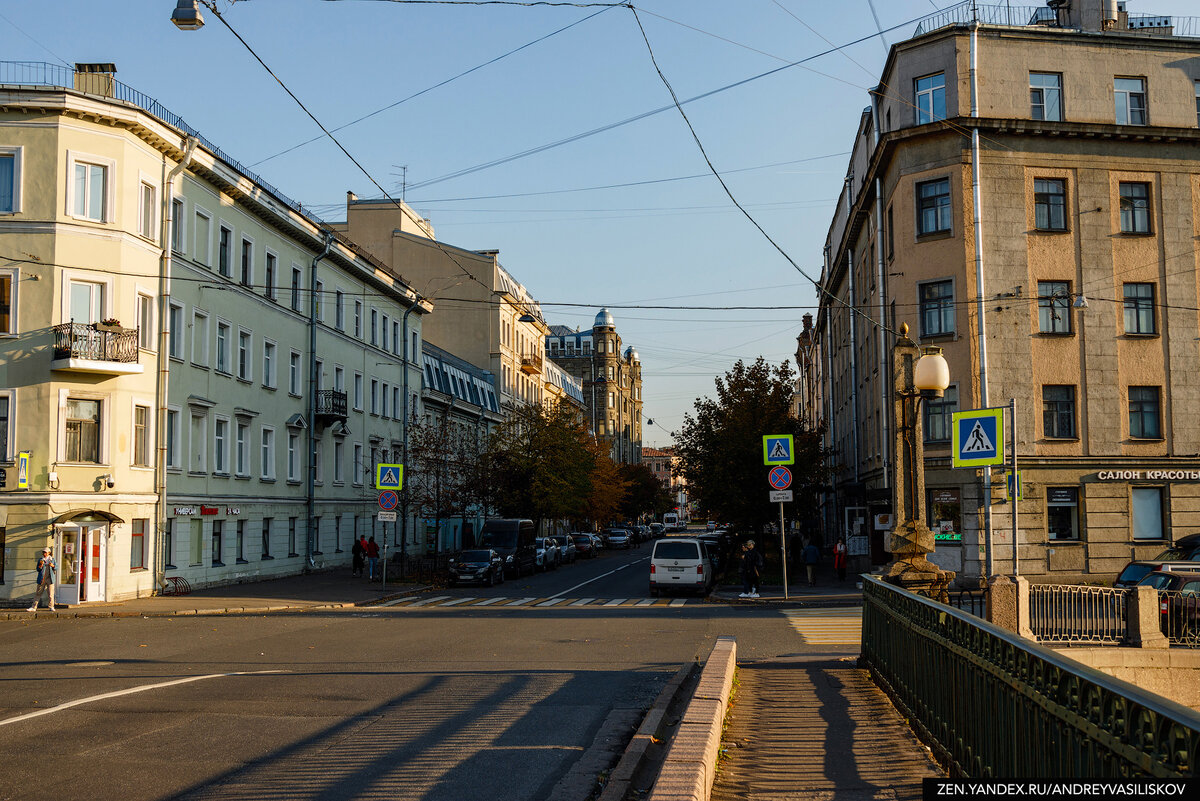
783, 550
1012, 420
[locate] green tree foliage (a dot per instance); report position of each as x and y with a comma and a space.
645, 494
720, 446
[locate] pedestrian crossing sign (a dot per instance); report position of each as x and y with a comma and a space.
778, 449
978, 438
389, 477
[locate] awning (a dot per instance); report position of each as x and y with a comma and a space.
88, 516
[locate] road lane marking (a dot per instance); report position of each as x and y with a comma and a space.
679, 602
827, 626
521, 601
597, 578
456, 601
646, 602
552, 602
130, 691
426, 601
583, 602
491, 601
616, 602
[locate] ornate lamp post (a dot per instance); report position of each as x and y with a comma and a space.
918, 374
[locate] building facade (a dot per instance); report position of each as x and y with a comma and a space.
611, 379
200, 374
1026, 197
665, 465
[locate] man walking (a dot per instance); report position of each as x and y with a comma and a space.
47, 573
752, 565
372, 558
812, 555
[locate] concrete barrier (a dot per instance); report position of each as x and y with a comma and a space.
689, 768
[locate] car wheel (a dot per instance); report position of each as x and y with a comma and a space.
654, 592
491, 582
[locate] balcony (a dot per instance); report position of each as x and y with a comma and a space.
96, 348
331, 406
531, 364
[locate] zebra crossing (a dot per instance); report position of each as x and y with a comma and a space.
840, 626
447, 601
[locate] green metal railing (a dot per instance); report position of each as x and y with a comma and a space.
994, 705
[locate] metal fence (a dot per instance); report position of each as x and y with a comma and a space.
990, 703
973, 602
1022, 16
1180, 615
1077, 614
86, 341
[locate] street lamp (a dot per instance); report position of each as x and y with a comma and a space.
186, 15
918, 374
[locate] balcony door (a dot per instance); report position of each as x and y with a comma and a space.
87, 302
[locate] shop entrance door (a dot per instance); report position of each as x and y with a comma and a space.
81, 554
66, 556
92, 566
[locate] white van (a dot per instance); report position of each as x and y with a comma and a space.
679, 564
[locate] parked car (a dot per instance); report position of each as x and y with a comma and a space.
1183, 554
483, 566
514, 540
711, 525
1179, 601
679, 563
547, 554
715, 551
566, 548
657, 530
585, 545
616, 538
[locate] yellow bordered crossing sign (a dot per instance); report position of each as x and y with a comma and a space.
977, 437
779, 449
389, 477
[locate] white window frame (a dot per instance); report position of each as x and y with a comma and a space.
270, 363
178, 228
200, 339
339, 457
1118, 94
74, 158
71, 277
339, 312
147, 219
202, 246
245, 273
295, 373
174, 439
224, 226
221, 445
270, 274
266, 451
318, 289
17, 154
296, 289
293, 455
14, 281
356, 466
150, 438
198, 441
224, 356
1044, 90
358, 321
245, 357
358, 391
339, 378
931, 95
241, 448
7, 452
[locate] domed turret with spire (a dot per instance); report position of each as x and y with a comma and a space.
631, 354
605, 320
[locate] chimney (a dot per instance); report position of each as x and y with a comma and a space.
807, 323
95, 79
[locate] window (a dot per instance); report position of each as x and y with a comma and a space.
137, 543
939, 415
293, 456
1062, 513
374, 396
1147, 503
384, 327
933, 207
224, 243
1054, 307
269, 364
891, 236
1135, 207
1058, 412
141, 436
266, 538
1045, 95
269, 277
339, 310
339, 378
296, 277
1144, 413
945, 514
221, 446
177, 227
1130, 98
1139, 309
357, 465
203, 239
294, 373
292, 537
6, 419
247, 277
318, 288
358, 318
611, 399
358, 392
10, 179
174, 449
931, 98
169, 543
218, 534
196, 544
383, 399
199, 443
224, 331
87, 302
937, 308
318, 456
146, 208
245, 348
90, 192
339, 469
374, 327
145, 322
267, 454
241, 450
240, 543
82, 431
396, 347
8, 301
1049, 204
199, 338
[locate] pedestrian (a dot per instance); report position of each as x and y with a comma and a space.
47, 572
372, 559
752, 565
358, 551
812, 555
839, 558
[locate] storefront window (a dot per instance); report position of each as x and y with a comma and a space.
945, 515
1062, 513
1147, 513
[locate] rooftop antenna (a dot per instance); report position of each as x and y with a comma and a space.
403, 168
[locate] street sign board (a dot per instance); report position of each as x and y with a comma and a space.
781, 496
778, 449
387, 517
780, 478
389, 477
388, 500
978, 438
1008, 485
23, 470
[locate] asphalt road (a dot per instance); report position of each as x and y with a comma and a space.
437, 704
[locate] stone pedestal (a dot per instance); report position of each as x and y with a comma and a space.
910, 568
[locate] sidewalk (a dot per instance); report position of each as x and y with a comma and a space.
330, 589
828, 591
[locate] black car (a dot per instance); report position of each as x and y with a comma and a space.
483, 565
1179, 602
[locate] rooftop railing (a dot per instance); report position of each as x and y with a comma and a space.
1043, 17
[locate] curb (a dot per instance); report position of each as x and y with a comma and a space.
689, 769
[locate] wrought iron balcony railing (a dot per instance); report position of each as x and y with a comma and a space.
95, 343
331, 404
531, 364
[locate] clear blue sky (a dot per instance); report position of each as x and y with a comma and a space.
664, 238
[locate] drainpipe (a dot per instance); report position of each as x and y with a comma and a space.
167, 230
981, 300
853, 363
404, 434
310, 494
884, 386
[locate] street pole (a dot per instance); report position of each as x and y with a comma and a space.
783, 550
1016, 485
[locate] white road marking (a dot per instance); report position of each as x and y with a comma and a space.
130, 691
491, 601
645, 602
521, 601
597, 578
582, 602
457, 601
616, 602
679, 602
552, 602
426, 601
827, 626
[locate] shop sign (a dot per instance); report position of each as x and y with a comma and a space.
1065, 495
186, 511
209, 510
233, 510
1148, 475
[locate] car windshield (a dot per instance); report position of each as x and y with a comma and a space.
499, 539
1157, 581
475, 556
561, 539
676, 550
1133, 574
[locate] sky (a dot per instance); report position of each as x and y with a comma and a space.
548, 133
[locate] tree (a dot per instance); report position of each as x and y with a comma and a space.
645, 494
606, 486
720, 447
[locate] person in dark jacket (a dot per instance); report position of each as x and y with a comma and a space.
812, 555
47, 574
372, 558
358, 552
752, 566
